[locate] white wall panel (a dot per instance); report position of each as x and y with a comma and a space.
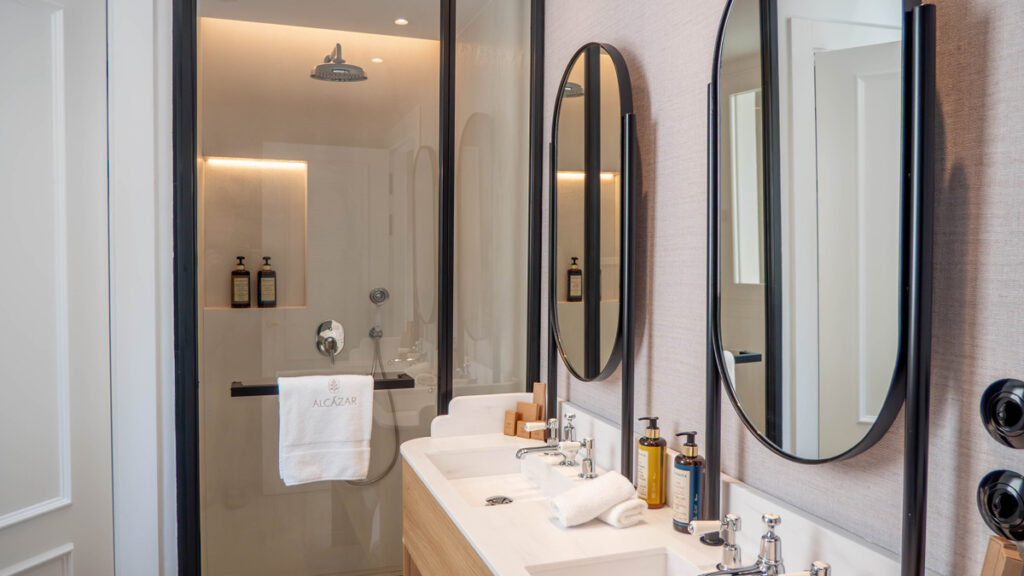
34, 332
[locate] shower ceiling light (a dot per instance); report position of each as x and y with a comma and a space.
401, 22
576, 175
377, 60
255, 163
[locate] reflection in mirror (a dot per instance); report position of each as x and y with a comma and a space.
588, 192
810, 218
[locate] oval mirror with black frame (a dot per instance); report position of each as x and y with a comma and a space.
589, 226
812, 283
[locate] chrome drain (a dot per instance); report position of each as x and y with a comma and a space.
498, 500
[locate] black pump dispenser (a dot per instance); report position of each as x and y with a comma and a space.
690, 445
653, 431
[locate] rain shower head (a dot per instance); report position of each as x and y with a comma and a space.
334, 69
572, 90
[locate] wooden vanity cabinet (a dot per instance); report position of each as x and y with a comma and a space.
432, 544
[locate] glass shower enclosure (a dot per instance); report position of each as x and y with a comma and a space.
317, 137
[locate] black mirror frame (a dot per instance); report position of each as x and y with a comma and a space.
591, 308
623, 349
770, 104
910, 387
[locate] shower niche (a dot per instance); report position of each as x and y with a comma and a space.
254, 208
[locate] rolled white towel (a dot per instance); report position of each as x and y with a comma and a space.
592, 497
624, 514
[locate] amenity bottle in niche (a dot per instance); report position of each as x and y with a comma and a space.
650, 465
240, 285
686, 484
267, 282
575, 282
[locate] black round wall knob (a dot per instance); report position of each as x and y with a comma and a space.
1001, 503
1002, 411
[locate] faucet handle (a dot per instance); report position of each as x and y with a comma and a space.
731, 524
587, 470
771, 545
819, 568
569, 430
588, 445
553, 432
731, 555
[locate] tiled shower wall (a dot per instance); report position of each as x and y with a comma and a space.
979, 261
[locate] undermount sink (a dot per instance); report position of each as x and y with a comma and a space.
480, 474
656, 562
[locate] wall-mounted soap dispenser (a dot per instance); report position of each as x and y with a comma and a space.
240, 285
650, 465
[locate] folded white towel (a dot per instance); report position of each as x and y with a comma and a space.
624, 514
325, 425
592, 497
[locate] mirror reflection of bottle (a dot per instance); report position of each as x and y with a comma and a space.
267, 281
575, 282
240, 285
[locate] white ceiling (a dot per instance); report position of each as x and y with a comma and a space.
369, 16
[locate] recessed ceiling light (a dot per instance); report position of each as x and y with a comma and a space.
401, 22
376, 60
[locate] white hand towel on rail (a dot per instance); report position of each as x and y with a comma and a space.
325, 424
591, 497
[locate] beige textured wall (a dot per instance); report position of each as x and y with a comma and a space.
979, 253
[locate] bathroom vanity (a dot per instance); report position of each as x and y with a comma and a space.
450, 529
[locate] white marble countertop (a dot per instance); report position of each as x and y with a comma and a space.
510, 538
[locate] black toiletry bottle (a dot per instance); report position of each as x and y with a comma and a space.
266, 279
575, 282
240, 285
687, 493
650, 465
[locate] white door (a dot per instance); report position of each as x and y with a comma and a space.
55, 463
858, 159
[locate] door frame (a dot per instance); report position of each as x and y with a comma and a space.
185, 230
139, 192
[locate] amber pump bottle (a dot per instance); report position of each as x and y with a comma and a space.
240, 285
266, 279
650, 482
687, 475
574, 286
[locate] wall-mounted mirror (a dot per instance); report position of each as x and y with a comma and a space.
811, 286
587, 190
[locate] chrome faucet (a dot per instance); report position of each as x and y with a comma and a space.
732, 556
550, 446
769, 560
819, 568
727, 527
569, 432
587, 469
